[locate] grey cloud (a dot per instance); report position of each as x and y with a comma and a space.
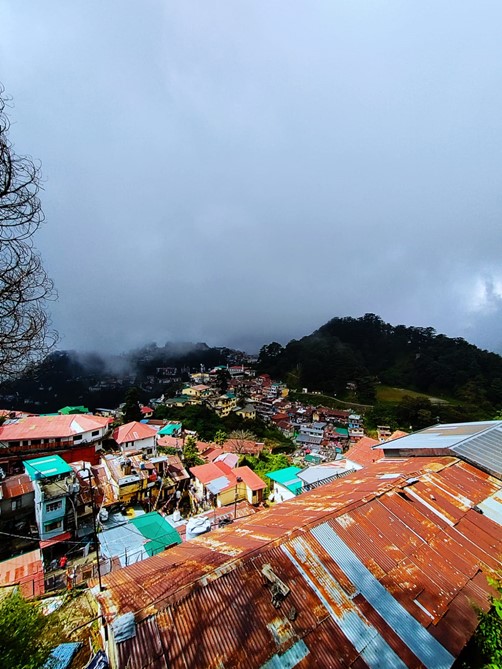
242, 172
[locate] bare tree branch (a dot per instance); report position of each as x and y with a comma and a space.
26, 335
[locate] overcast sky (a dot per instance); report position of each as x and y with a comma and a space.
238, 172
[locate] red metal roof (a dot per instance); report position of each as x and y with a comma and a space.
133, 431
215, 470
211, 471
252, 480
45, 427
15, 486
363, 453
27, 571
415, 536
65, 536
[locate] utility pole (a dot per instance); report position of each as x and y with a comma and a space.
235, 498
94, 526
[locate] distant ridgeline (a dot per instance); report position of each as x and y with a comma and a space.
365, 351
96, 380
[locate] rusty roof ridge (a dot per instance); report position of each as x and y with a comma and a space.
233, 562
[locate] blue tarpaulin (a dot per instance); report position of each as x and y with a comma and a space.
62, 656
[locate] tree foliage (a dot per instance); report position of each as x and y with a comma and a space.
26, 635
222, 379
25, 327
364, 351
484, 651
132, 408
191, 457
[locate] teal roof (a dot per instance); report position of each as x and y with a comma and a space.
169, 429
51, 465
179, 399
287, 477
155, 527
342, 431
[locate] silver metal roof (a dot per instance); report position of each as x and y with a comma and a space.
440, 436
319, 473
484, 450
480, 443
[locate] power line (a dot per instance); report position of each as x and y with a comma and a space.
21, 536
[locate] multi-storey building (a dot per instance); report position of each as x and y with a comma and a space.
55, 486
73, 437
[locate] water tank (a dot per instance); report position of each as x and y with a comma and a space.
176, 516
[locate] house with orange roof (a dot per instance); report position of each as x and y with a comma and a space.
26, 572
364, 452
217, 482
135, 436
17, 508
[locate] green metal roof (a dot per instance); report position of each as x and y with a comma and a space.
71, 410
313, 458
287, 477
155, 527
51, 465
342, 431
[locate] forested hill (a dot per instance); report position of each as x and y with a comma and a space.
365, 351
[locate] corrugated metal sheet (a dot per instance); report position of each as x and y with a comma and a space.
290, 658
374, 567
484, 450
492, 507
25, 570
443, 436
425, 647
356, 628
15, 486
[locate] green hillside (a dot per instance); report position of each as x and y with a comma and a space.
367, 361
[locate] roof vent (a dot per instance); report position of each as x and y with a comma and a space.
278, 589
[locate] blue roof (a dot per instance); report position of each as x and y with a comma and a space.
62, 656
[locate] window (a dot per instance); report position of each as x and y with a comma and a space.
95, 433
54, 506
15, 504
77, 437
56, 525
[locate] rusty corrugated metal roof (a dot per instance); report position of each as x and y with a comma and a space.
377, 567
15, 486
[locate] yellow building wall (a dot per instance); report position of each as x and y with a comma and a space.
228, 496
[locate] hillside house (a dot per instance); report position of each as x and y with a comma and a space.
17, 507
55, 487
355, 426
286, 484
136, 436
71, 436
217, 481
